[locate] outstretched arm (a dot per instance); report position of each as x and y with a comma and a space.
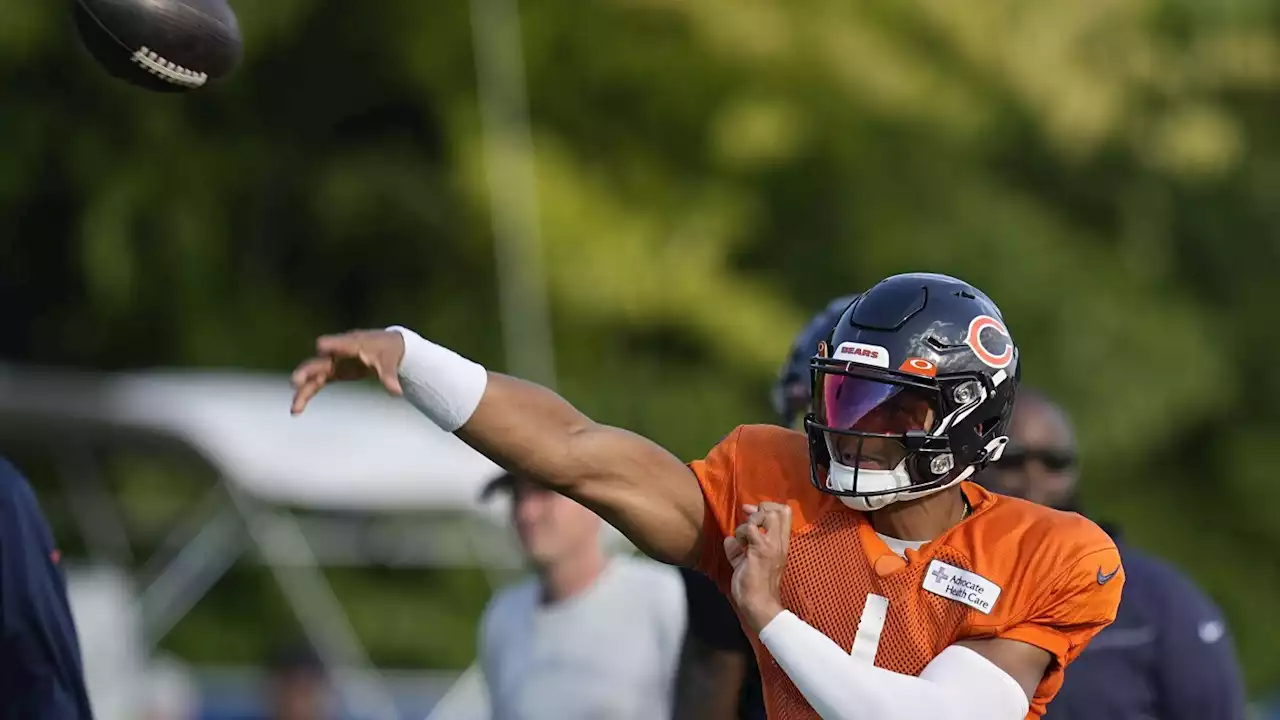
631, 482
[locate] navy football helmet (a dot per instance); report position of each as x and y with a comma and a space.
793, 390
912, 391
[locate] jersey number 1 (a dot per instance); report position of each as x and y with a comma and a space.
866, 639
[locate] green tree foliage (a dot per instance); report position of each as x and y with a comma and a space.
708, 174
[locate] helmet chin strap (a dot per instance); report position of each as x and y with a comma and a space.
867, 504
876, 502
840, 477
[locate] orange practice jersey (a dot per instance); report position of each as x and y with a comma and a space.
1012, 569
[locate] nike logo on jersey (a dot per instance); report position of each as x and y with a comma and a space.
1104, 579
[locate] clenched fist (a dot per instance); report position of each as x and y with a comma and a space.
758, 553
353, 355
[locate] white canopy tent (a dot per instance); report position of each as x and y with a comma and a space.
355, 452
355, 448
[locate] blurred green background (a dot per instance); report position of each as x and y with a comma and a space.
708, 175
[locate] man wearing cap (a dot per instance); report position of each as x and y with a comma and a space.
1168, 654
590, 636
298, 687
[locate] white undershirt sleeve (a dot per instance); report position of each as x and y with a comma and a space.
959, 683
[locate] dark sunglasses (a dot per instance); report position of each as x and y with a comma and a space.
1053, 460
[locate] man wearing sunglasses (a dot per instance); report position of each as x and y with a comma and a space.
888, 586
1168, 654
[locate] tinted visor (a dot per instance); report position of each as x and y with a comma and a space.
871, 417
846, 402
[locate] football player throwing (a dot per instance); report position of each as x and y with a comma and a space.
881, 584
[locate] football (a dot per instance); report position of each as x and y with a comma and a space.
161, 45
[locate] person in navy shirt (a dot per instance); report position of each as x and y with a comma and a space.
1168, 655
41, 676
718, 678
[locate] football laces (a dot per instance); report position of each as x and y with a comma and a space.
167, 70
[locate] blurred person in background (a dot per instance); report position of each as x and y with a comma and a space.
171, 692
591, 636
1168, 654
298, 685
718, 678
41, 672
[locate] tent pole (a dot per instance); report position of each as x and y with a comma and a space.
288, 556
513, 193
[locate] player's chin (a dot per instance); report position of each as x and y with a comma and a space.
540, 557
538, 549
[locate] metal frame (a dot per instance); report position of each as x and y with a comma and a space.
71, 413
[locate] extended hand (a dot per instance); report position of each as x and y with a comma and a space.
352, 355
758, 554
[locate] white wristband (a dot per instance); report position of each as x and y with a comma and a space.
439, 382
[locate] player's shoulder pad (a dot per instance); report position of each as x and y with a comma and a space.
1059, 538
770, 438
763, 447
756, 441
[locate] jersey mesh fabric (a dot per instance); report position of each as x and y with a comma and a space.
828, 588
1043, 561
